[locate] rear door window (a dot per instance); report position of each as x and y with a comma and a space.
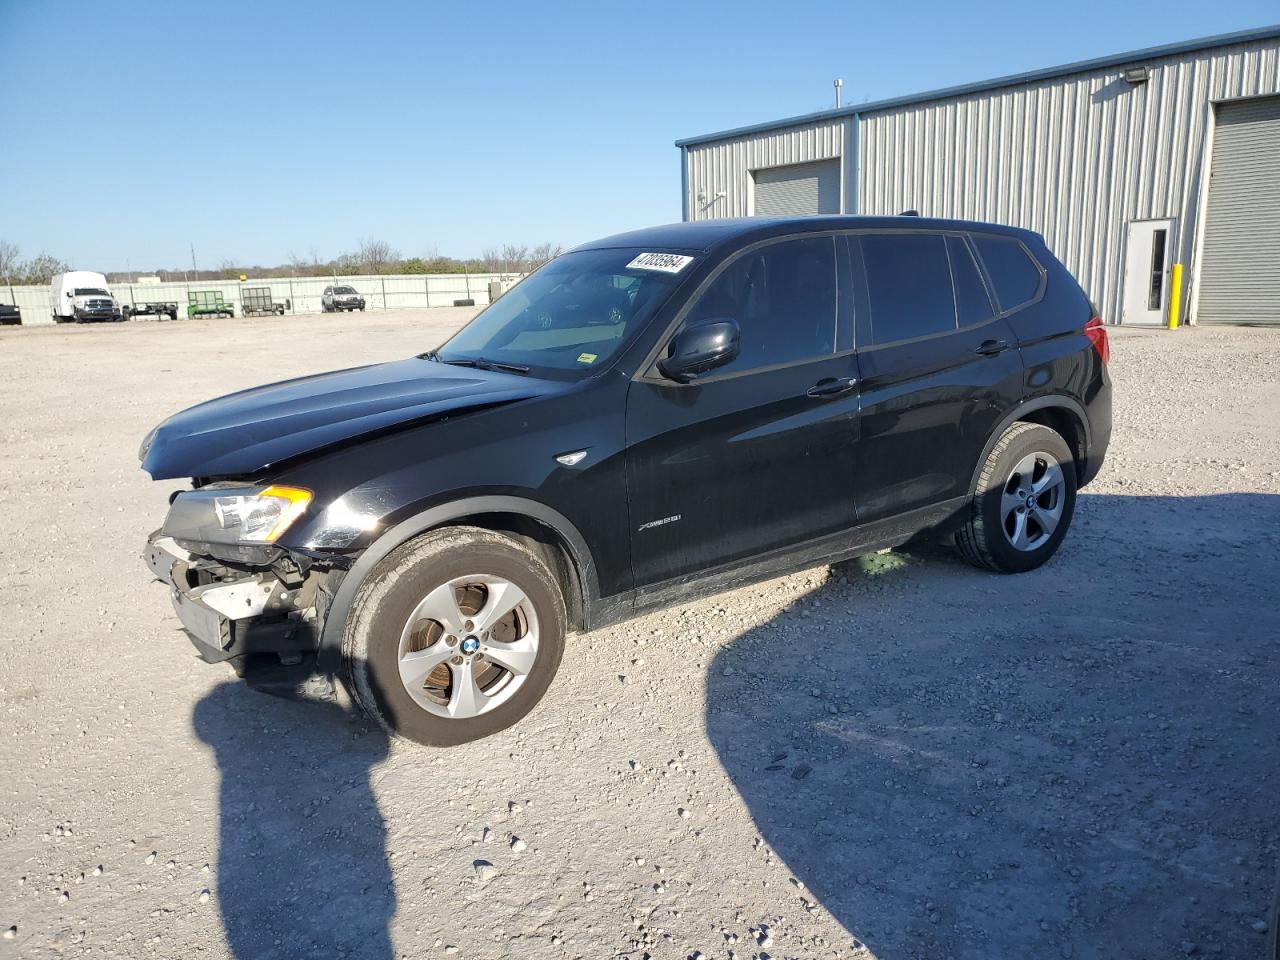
1014, 274
908, 282
783, 297
973, 303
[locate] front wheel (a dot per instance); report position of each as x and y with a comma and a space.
455, 636
1024, 501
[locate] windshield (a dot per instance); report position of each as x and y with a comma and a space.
569, 317
343, 290
91, 292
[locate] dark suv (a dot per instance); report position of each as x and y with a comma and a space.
652, 416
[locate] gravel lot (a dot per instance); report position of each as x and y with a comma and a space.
900, 757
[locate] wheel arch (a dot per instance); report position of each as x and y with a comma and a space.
544, 530
1063, 415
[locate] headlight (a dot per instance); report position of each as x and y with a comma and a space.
261, 517
236, 515
147, 441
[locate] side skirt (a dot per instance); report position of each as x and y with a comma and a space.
932, 521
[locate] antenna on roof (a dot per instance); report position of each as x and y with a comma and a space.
838, 84
909, 213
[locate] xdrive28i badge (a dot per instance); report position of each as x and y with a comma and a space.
657, 523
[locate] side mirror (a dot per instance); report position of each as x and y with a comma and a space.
700, 348
69, 293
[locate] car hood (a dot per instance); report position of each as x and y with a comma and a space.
251, 431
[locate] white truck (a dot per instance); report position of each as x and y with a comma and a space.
82, 296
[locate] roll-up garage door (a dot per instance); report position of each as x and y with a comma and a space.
798, 190
1240, 271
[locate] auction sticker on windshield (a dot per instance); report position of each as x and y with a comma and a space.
661, 262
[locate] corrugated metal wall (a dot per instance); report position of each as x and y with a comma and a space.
1074, 158
727, 165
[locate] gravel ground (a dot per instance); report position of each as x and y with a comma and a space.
899, 757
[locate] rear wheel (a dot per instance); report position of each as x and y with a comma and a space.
1024, 502
455, 636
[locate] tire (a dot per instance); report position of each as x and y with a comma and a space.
392, 619
1007, 532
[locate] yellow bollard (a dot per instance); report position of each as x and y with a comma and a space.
1175, 296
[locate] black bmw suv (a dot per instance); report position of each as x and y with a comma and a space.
649, 417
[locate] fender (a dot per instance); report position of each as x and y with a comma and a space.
329, 656
1018, 413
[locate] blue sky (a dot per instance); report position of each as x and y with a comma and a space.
254, 130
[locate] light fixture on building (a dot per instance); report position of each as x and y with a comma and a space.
1136, 75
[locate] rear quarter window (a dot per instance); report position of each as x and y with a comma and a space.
973, 304
1014, 274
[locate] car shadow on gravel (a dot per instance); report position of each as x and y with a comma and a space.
1076, 762
302, 866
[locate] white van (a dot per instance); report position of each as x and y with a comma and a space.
82, 295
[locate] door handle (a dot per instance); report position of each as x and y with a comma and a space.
989, 348
831, 387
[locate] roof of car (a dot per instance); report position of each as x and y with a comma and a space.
707, 235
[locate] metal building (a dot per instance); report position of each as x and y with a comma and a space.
1125, 164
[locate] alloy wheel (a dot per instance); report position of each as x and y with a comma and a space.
468, 646
1032, 501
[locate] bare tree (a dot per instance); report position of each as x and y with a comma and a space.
376, 256
39, 270
8, 260
346, 264
514, 257
542, 253
492, 259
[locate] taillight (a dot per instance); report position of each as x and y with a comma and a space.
1096, 331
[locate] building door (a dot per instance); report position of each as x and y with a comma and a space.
797, 190
1148, 249
1239, 275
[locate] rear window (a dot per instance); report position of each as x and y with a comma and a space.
1013, 273
908, 285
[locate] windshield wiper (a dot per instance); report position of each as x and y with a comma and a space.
480, 363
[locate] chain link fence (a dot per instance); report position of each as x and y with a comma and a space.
297, 294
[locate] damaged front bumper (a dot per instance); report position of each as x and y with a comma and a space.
267, 629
